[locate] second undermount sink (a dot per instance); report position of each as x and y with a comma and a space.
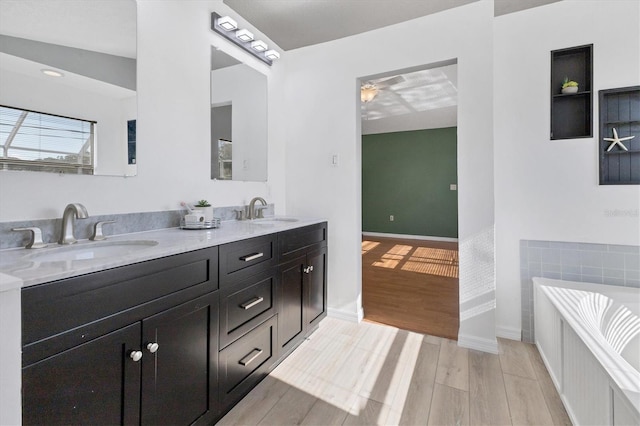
91, 251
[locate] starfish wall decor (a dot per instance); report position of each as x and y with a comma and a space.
617, 141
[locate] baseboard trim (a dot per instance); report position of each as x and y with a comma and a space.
478, 343
510, 333
409, 237
345, 315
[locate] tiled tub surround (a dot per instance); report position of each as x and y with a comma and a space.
125, 224
607, 264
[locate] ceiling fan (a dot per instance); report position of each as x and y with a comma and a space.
370, 89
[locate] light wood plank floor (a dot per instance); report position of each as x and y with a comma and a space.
411, 284
374, 374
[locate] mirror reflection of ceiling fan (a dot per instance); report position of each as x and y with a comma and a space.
370, 89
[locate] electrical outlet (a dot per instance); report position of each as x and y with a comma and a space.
453, 187
391, 218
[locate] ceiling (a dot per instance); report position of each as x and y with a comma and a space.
292, 24
67, 23
423, 99
412, 92
414, 100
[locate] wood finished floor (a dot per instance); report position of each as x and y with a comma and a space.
411, 284
374, 374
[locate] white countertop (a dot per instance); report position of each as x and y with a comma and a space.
19, 269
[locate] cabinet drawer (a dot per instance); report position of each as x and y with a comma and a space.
246, 304
244, 258
246, 361
296, 242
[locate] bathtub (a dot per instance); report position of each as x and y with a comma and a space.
589, 338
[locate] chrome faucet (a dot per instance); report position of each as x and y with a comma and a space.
252, 208
74, 209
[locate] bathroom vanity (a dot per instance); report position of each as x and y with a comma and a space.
178, 336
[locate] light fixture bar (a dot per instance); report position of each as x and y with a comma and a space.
244, 39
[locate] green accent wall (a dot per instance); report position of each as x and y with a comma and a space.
407, 175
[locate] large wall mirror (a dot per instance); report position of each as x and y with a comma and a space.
88, 50
238, 120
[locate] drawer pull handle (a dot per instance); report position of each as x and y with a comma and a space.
251, 303
136, 355
251, 357
308, 269
250, 257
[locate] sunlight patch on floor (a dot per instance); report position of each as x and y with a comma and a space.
367, 246
423, 260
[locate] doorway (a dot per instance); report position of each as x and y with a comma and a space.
409, 199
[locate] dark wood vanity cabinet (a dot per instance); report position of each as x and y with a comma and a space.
129, 345
302, 284
177, 340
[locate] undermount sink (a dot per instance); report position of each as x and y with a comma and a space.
91, 251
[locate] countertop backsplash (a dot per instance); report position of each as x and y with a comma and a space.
126, 223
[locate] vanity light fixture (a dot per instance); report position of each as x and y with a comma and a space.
272, 54
259, 45
244, 35
52, 73
242, 38
227, 23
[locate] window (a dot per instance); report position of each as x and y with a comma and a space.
44, 142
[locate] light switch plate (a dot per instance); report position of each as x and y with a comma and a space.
453, 187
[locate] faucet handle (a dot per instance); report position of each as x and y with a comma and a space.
36, 237
97, 230
240, 214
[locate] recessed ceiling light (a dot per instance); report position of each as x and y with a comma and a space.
227, 23
272, 54
244, 35
259, 45
53, 73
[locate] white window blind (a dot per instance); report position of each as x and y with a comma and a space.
44, 142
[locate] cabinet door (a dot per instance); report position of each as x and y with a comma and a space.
95, 383
291, 313
180, 376
316, 287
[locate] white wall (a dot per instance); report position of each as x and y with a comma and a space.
548, 190
322, 118
173, 129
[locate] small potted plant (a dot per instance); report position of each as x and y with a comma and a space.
206, 209
569, 86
